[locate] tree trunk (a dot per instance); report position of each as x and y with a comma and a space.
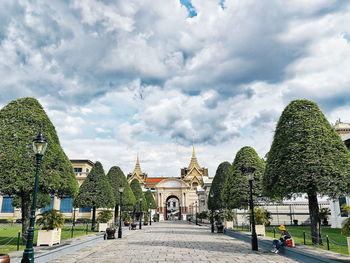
93, 221
314, 218
116, 210
25, 207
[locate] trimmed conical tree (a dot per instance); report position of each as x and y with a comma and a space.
307, 156
236, 189
20, 122
151, 203
95, 192
215, 201
137, 190
116, 179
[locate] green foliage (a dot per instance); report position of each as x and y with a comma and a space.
261, 215
117, 178
307, 155
146, 218
151, 203
105, 216
236, 189
345, 230
95, 191
137, 190
126, 217
51, 219
20, 122
9, 220
230, 215
156, 217
324, 214
203, 215
215, 201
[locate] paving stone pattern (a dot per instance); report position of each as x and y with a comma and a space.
172, 242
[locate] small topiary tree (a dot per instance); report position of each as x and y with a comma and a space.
95, 192
236, 189
151, 203
137, 190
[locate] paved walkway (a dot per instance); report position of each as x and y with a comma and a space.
172, 242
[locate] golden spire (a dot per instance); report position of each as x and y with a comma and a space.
137, 169
194, 161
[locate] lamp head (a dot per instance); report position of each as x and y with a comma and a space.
121, 189
39, 144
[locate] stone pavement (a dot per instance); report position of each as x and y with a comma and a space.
172, 242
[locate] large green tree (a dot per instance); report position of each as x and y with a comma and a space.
307, 156
95, 192
151, 203
139, 196
116, 179
215, 201
20, 122
236, 188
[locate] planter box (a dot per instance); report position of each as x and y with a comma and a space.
228, 224
102, 227
49, 237
260, 230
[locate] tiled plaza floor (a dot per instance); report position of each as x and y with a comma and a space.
172, 242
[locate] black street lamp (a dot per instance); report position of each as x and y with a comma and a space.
250, 172
150, 214
212, 215
140, 226
39, 147
196, 213
121, 190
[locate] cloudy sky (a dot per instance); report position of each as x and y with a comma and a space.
120, 77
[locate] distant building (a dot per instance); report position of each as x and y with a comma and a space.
177, 197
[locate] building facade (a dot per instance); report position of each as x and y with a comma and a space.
177, 197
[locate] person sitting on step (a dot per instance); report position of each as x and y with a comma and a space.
278, 243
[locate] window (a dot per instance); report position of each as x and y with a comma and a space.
49, 207
86, 209
87, 170
78, 169
66, 205
174, 204
342, 201
7, 205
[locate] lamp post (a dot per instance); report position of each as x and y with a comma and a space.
250, 172
121, 190
196, 213
39, 147
150, 214
212, 214
140, 226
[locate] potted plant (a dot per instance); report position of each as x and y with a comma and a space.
126, 218
110, 232
323, 215
145, 219
262, 217
103, 218
133, 225
229, 218
4, 258
156, 218
219, 217
51, 222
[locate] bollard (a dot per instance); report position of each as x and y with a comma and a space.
304, 238
327, 238
72, 232
18, 238
86, 230
274, 232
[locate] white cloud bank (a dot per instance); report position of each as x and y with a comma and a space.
121, 77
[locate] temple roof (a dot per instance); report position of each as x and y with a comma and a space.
137, 169
194, 162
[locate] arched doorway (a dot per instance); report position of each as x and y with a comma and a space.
172, 208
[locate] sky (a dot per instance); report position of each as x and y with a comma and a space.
152, 77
